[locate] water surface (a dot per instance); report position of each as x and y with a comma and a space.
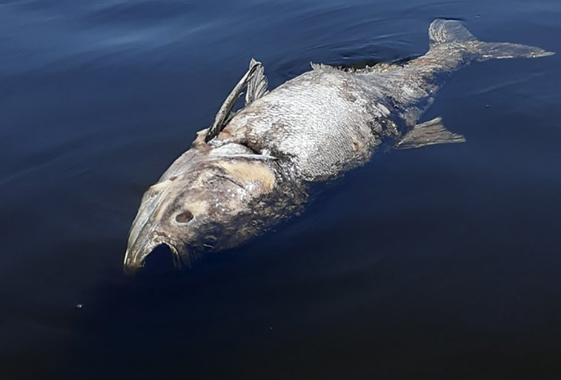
436, 263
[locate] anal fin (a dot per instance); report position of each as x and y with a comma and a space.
431, 132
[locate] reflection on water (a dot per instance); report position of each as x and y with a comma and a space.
438, 263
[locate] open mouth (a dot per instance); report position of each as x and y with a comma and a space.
160, 258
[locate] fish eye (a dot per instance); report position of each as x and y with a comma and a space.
184, 217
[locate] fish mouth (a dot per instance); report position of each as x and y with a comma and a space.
158, 256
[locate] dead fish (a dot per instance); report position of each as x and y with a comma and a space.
252, 169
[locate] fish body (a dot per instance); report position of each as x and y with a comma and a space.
252, 169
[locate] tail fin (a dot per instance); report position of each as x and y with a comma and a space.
443, 31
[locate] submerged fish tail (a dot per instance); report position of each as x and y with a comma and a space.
443, 32
452, 46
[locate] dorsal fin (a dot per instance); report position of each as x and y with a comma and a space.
223, 114
257, 86
378, 67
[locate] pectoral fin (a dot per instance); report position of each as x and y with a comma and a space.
223, 114
431, 132
257, 85
256, 157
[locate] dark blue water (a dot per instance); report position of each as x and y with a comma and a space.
436, 263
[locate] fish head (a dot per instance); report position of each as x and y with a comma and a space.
207, 208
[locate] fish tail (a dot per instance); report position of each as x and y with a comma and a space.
443, 31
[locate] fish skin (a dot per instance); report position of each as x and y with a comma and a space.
255, 168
